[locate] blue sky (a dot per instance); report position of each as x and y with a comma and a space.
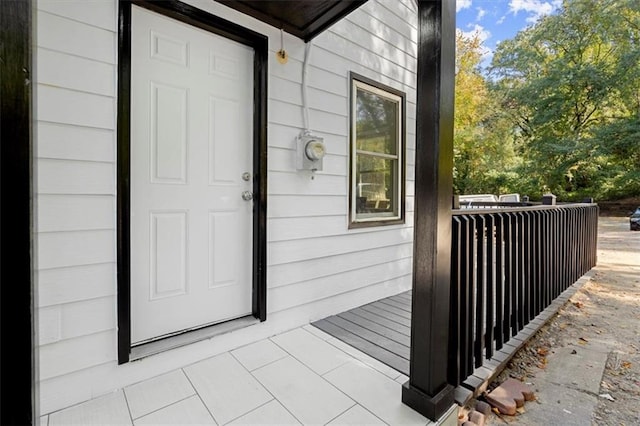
497, 20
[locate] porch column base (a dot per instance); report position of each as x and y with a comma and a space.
432, 407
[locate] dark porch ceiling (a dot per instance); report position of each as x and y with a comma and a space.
302, 18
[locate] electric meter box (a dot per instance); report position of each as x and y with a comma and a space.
310, 152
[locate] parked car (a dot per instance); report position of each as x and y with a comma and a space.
634, 220
478, 197
509, 198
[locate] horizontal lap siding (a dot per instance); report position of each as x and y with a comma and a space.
76, 121
312, 254
316, 265
305, 270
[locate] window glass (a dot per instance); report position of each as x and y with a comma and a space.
377, 158
376, 186
377, 123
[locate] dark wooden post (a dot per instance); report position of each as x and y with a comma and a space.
427, 390
18, 396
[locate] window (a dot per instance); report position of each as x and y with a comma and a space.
377, 154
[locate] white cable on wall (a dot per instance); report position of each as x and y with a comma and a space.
305, 104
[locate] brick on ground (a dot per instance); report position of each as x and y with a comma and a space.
509, 396
483, 407
477, 418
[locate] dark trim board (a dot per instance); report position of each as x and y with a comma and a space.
303, 19
123, 209
18, 321
375, 330
203, 20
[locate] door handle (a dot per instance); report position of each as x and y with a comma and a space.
247, 195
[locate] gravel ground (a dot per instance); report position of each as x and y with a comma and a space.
605, 310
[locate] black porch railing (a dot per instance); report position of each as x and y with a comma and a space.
507, 266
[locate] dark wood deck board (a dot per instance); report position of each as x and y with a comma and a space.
389, 308
376, 328
406, 295
396, 304
380, 330
386, 314
375, 338
374, 351
405, 302
400, 328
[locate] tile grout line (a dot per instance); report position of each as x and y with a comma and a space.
268, 402
166, 406
124, 390
362, 361
376, 372
318, 375
126, 401
349, 408
262, 384
79, 403
302, 362
199, 396
357, 404
257, 368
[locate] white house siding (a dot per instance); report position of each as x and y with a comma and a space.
316, 266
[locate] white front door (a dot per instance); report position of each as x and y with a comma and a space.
191, 161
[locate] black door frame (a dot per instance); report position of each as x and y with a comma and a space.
201, 19
18, 319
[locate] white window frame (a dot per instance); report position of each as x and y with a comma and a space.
356, 220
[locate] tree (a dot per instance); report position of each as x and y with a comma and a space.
483, 140
570, 85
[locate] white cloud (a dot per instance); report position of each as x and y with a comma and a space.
483, 35
478, 30
481, 13
462, 4
534, 8
501, 20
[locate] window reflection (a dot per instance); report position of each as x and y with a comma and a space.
377, 153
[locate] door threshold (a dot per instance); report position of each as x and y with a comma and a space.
147, 349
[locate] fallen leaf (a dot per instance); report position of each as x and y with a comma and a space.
521, 410
607, 396
543, 351
626, 364
495, 410
582, 340
578, 305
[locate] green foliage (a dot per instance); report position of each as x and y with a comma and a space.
560, 110
483, 140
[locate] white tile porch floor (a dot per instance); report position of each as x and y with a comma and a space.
303, 376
